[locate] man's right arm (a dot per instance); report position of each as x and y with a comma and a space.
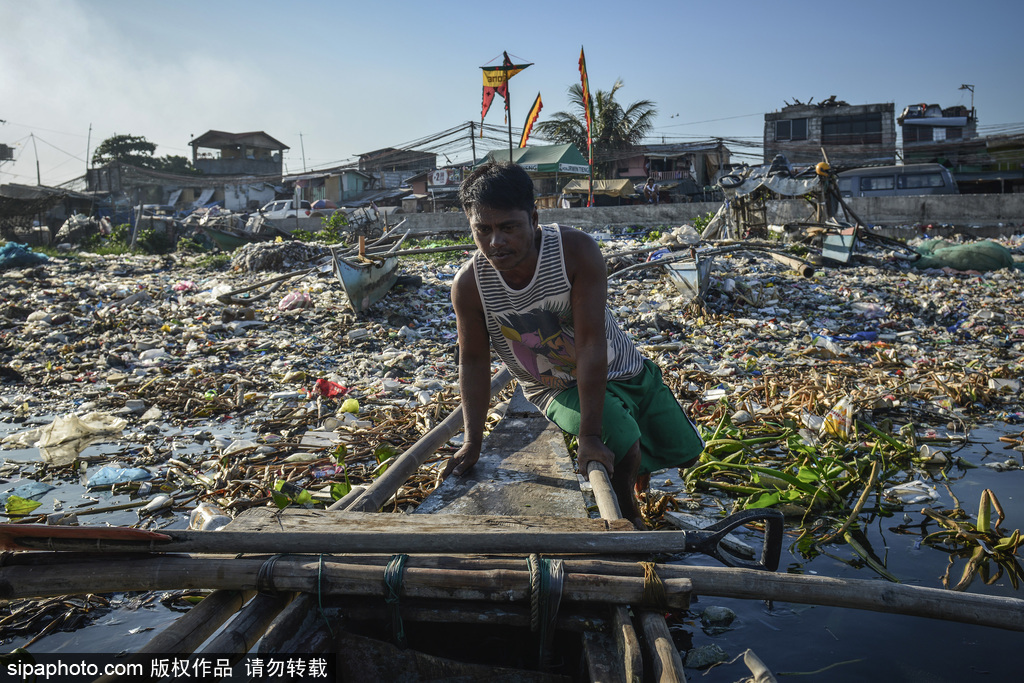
474, 368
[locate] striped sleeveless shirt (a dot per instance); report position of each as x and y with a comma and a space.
531, 328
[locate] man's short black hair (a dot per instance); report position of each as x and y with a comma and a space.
497, 185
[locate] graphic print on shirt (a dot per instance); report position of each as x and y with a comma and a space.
542, 342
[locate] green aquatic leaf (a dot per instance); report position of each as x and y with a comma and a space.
806, 474
985, 512
16, 505
280, 500
384, 451
340, 489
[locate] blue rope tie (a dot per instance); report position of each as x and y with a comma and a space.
546, 579
393, 574
320, 596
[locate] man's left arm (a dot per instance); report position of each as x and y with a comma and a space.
588, 277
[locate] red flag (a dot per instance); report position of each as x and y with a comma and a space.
586, 105
496, 82
531, 119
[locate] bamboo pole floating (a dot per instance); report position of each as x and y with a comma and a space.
796, 264
387, 484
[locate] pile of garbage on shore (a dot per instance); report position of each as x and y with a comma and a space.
293, 399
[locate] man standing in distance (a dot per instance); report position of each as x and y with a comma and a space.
538, 296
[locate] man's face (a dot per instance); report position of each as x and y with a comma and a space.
506, 237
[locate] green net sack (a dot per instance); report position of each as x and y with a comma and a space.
981, 256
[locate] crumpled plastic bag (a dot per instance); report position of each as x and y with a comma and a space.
108, 476
14, 255
61, 441
839, 420
684, 234
295, 299
911, 492
29, 490
327, 389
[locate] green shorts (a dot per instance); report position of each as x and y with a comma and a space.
638, 408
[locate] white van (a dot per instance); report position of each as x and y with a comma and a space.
894, 181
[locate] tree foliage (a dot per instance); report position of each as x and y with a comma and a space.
136, 150
616, 129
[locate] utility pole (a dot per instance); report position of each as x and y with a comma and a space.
39, 179
968, 86
472, 139
303, 148
88, 140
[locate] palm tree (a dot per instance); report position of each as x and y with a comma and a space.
615, 130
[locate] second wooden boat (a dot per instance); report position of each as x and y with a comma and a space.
366, 278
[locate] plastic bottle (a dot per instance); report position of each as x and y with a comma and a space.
207, 517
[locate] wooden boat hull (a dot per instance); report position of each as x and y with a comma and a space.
690, 277
366, 282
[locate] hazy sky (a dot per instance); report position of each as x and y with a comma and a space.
354, 77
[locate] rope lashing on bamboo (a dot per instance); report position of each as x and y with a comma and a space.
654, 588
393, 574
320, 595
265, 576
546, 580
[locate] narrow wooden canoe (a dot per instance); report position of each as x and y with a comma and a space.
229, 240
367, 278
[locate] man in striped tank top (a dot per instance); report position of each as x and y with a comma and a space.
538, 296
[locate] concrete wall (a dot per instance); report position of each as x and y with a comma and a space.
960, 210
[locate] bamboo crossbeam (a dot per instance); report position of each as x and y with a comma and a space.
455, 541
319, 576
42, 575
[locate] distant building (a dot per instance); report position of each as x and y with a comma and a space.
949, 136
851, 135
686, 170
254, 153
392, 167
338, 185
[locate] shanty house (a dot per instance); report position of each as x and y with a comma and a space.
851, 135
683, 169
339, 185
254, 153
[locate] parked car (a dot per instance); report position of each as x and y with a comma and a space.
157, 210
890, 181
285, 208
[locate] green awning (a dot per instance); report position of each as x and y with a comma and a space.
621, 187
563, 159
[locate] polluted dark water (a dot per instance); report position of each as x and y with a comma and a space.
815, 643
